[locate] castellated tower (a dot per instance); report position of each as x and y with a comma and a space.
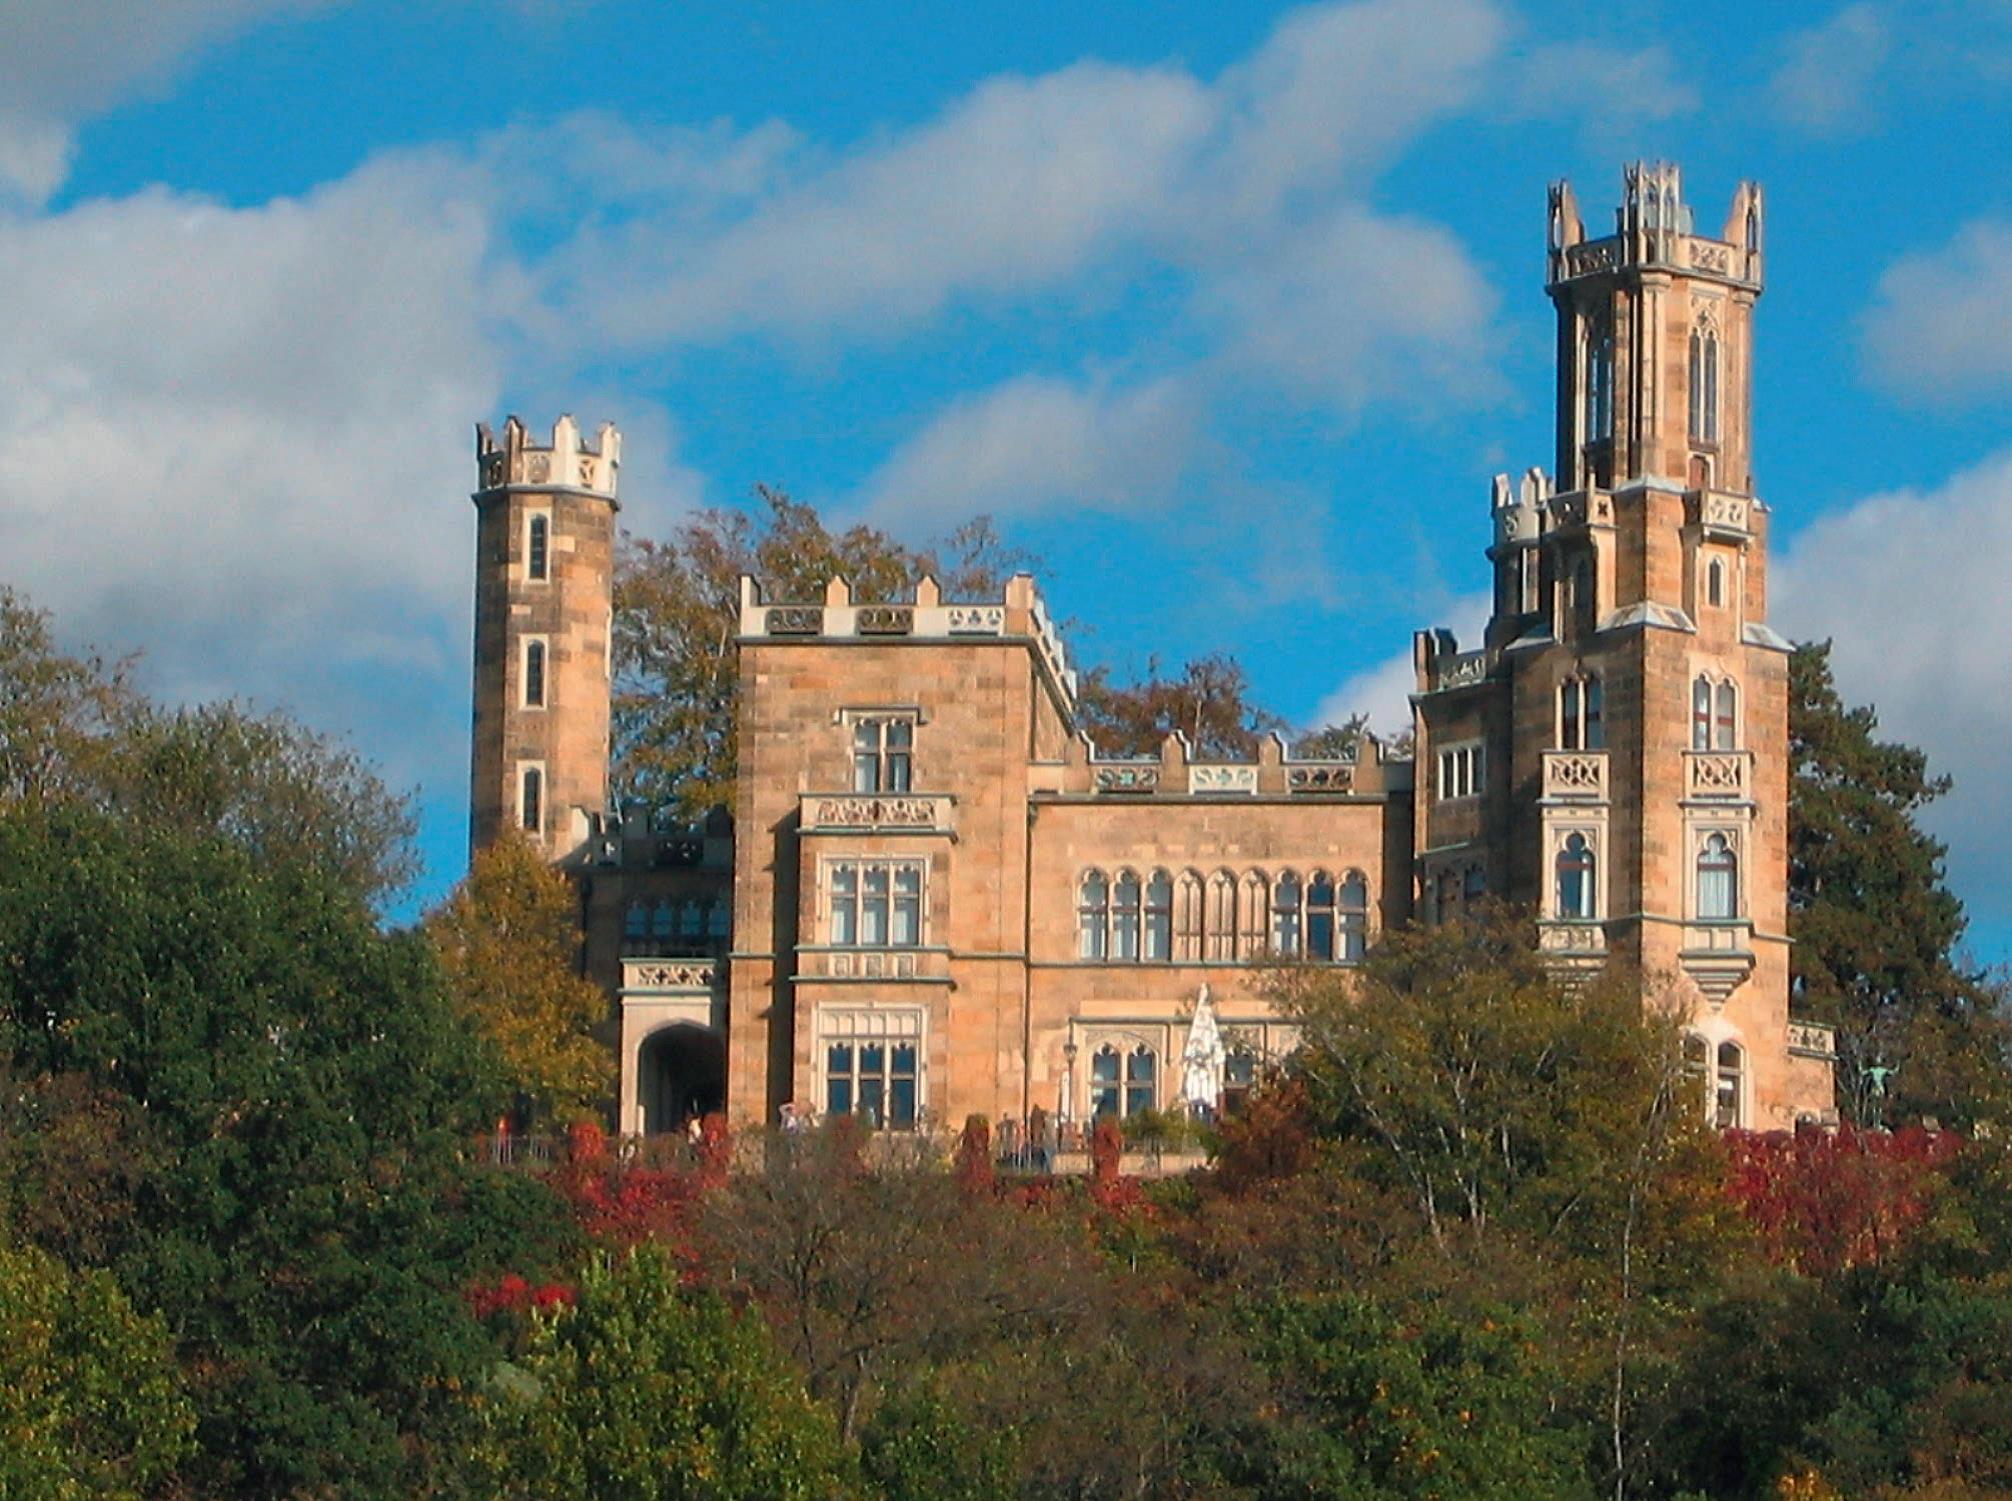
1615, 754
544, 571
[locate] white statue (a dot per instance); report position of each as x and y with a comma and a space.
1202, 1060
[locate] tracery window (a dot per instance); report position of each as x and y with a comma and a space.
1582, 721
881, 750
1122, 1084
1093, 916
1704, 386
1221, 930
1718, 879
636, 922
691, 918
1714, 714
720, 918
1575, 868
1251, 914
663, 920
1125, 913
1189, 910
874, 1079
1286, 915
875, 904
1461, 770
1320, 917
1159, 917
1240, 1071
1354, 909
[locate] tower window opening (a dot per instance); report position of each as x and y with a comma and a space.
1582, 723
1727, 1090
1718, 880
1704, 386
1725, 725
1715, 584
1599, 381
534, 674
1575, 870
537, 546
531, 800
1701, 714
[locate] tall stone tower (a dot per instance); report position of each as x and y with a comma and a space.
1615, 755
544, 571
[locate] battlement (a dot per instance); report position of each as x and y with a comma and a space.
1019, 615
1369, 770
566, 463
1517, 506
1654, 229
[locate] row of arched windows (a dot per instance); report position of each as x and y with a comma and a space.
663, 920
1163, 918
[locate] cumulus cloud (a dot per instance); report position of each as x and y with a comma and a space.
1942, 326
1383, 691
1910, 586
1829, 73
1611, 89
1037, 443
62, 61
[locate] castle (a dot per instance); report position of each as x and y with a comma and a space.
936, 898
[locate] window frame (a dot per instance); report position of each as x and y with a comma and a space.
850, 902
1462, 771
533, 794
1585, 868
537, 545
1582, 712
892, 766
1726, 869
532, 649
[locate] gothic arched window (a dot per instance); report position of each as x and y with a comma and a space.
1122, 1084
1320, 917
1251, 912
636, 921
1728, 1088
1599, 380
1093, 916
1125, 916
1159, 917
663, 919
1725, 724
1354, 915
1285, 913
537, 546
1715, 583
1221, 942
1575, 871
1189, 921
1718, 879
1704, 386
1582, 713
534, 674
531, 800
1701, 714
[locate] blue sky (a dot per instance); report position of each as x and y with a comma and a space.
1226, 312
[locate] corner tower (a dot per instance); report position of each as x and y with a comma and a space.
1615, 754
544, 609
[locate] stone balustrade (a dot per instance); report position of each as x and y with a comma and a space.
878, 812
669, 975
1576, 776
1718, 775
1571, 938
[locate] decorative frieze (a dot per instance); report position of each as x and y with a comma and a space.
794, 620
876, 810
885, 620
1222, 779
669, 974
974, 620
1128, 776
1812, 1040
1569, 938
1333, 776
1726, 515
1461, 670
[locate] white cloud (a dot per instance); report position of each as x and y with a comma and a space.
1612, 90
1943, 324
1383, 691
1829, 73
1910, 586
62, 61
1036, 444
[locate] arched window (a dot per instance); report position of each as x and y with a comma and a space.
691, 919
664, 920
534, 674
1320, 917
1188, 916
1715, 584
537, 546
1354, 914
1701, 714
636, 921
1704, 385
1125, 913
531, 800
1582, 723
1729, 1087
720, 918
1221, 941
1725, 726
1251, 914
1575, 871
1240, 1067
1285, 915
1093, 916
1599, 380
1160, 917
1122, 1084
1718, 879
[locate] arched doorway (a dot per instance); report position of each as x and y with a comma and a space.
681, 1072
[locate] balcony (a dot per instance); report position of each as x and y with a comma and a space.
877, 812
1575, 776
1718, 776
1718, 956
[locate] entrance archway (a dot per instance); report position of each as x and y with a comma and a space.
681, 1073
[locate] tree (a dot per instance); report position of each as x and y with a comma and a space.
1875, 927
644, 1391
507, 940
307, 1092
921, 1446
57, 711
1209, 702
677, 615
90, 1402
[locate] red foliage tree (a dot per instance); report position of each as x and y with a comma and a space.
1825, 1201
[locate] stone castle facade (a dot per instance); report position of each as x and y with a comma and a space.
937, 898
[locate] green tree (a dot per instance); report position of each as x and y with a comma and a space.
921, 1446
307, 1091
677, 616
643, 1391
57, 711
1875, 927
508, 940
90, 1403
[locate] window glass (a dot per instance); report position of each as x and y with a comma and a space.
838, 1079
537, 547
1159, 917
1718, 879
1239, 1076
1595, 736
1701, 714
1569, 721
1575, 878
1140, 1068
636, 921
533, 800
1285, 915
691, 919
907, 928
881, 750
534, 674
873, 905
1320, 917
1125, 918
901, 1086
663, 921
720, 919
1715, 583
1724, 729
1474, 885
1105, 1095
845, 904
1727, 1091
1093, 916
1354, 917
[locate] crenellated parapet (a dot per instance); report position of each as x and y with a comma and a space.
1654, 229
568, 462
927, 617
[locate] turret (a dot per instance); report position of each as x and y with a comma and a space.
544, 568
